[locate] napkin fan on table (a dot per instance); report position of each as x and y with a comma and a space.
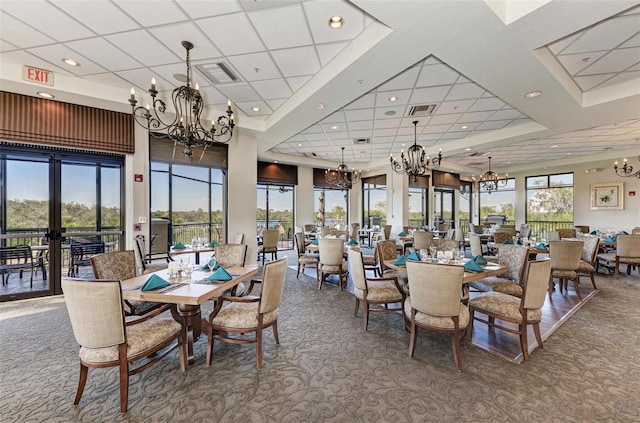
220, 275
352, 242
413, 256
179, 246
314, 242
212, 244
508, 242
541, 246
472, 266
402, 234
154, 282
609, 239
479, 259
401, 261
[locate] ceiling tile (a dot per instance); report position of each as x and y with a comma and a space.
296, 82
7, 46
615, 61
359, 125
239, 92
232, 34
429, 95
505, 114
49, 20
20, 34
272, 89
172, 36
145, 48
454, 106
105, 17
464, 91
437, 74
104, 54
141, 78
24, 58
402, 97
247, 106
318, 14
442, 119
385, 113
55, 53
150, 14
475, 117
359, 114
363, 102
267, 23
326, 52
200, 9
297, 61
255, 66
605, 35
404, 80
488, 103
574, 63
213, 97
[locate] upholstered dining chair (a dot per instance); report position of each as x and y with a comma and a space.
444, 227
565, 262
238, 238
304, 259
434, 303
384, 290
500, 236
450, 234
121, 265
553, 235
98, 322
422, 240
475, 243
525, 231
386, 250
522, 311
588, 259
234, 255
582, 228
249, 314
567, 233
147, 265
269, 244
331, 261
627, 252
510, 282
445, 244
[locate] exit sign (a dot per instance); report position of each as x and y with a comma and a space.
39, 76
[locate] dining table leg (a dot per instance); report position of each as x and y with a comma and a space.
191, 319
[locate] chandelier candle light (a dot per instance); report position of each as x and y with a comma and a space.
341, 176
414, 163
490, 180
186, 128
626, 169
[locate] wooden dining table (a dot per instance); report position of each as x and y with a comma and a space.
188, 295
191, 250
490, 269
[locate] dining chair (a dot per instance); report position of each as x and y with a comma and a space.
525, 231
269, 244
434, 303
145, 264
500, 236
234, 255
567, 233
635, 231
324, 232
238, 238
16, 259
475, 243
627, 252
331, 261
444, 227
514, 257
588, 259
553, 236
582, 228
382, 291
445, 244
80, 254
565, 262
387, 231
450, 234
422, 240
523, 311
121, 265
304, 259
98, 323
249, 314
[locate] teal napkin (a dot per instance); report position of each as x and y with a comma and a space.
212, 244
609, 239
472, 266
623, 233
352, 242
205, 267
519, 242
508, 242
594, 232
401, 261
479, 259
179, 246
314, 242
413, 256
154, 282
479, 231
314, 231
541, 246
402, 234
220, 275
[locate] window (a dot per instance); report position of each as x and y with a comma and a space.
464, 206
335, 207
374, 200
275, 211
418, 207
501, 202
443, 206
192, 197
549, 202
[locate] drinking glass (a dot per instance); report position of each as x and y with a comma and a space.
213, 263
424, 254
456, 256
434, 252
188, 270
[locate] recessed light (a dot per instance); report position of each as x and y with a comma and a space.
255, 109
321, 105
70, 62
402, 145
568, 154
299, 144
467, 149
393, 98
390, 113
464, 126
334, 127
533, 94
335, 22
45, 95
275, 161
554, 146
181, 77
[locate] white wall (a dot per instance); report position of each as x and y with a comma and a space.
304, 212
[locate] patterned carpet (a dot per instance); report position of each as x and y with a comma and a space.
327, 369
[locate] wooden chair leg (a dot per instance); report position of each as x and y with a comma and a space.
275, 332
469, 334
455, 341
84, 371
413, 336
355, 312
524, 344
259, 347
124, 378
576, 287
593, 280
536, 331
617, 271
365, 309
210, 339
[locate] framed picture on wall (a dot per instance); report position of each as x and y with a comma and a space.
607, 196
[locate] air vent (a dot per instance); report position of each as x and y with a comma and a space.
422, 110
218, 73
361, 141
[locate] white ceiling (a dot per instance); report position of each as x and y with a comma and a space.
473, 60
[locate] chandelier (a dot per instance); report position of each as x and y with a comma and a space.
415, 164
186, 128
626, 169
490, 180
341, 176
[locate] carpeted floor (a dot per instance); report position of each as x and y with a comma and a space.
327, 369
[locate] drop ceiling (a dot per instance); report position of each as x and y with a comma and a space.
472, 62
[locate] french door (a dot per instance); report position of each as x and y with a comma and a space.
50, 199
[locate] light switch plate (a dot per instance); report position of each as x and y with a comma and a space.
142, 219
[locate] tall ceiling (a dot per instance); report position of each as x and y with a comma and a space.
306, 90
